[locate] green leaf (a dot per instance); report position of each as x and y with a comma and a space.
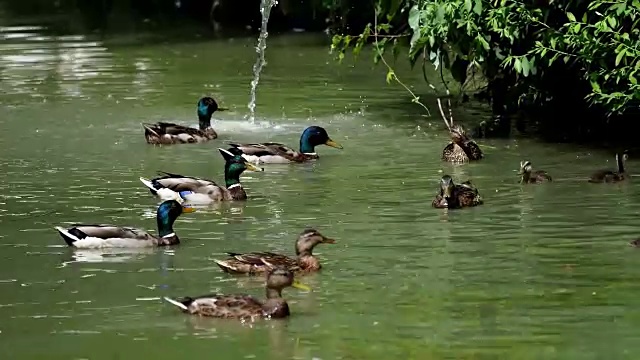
566, 59
524, 63
518, 65
390, 76
414, 19
571, 17
595, 87
467, 5
612, 21
414, 39
478, 7
620, 56
633, 80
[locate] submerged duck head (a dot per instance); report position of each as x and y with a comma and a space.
234, 166
206, 107
279, 278
308, 239
314, 136
167, 214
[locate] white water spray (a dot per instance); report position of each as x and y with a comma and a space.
265, 10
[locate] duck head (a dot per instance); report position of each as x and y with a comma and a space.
446, 189
206, 107
314, 136
308, 239
234, 166
458, 135
279, 278
525, 170
167, 214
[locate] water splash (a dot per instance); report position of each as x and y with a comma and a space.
265, 10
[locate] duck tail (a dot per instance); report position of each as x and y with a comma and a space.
149, 184
176, 303
68, 237
148, 129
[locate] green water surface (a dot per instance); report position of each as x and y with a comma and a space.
538, 272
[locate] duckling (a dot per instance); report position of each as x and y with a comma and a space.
454, 196
245, 307
203, 191
276, 153
84, 236
528, 176
461, 148
252, 263
608, 176
164, 133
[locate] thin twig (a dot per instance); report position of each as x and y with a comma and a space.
444, 117
390, 69
450, 108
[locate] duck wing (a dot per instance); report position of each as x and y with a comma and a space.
467, 194
218, 305
263, 149
104, 231
162, 128
93, 235
180, 183
254, 258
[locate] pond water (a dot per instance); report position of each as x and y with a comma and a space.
537, 272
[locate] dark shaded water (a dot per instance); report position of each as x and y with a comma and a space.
538, 272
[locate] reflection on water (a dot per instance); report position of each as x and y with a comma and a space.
537, 272
114, 255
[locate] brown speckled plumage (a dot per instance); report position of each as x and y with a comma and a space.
245, 307
461, 148
456, 196
252, 263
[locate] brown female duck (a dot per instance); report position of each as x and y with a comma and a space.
253, 263
528, 176
164, 133
461, 148
454, 196
609, 176
245, 306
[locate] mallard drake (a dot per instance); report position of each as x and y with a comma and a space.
203, 191
608, 176
528, 176
245, 306
454, 196
252, 263
164, 133
275, 153
84, 236
461, 148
